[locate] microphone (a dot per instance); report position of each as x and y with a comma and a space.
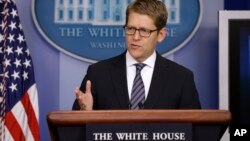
129, 105
141, 105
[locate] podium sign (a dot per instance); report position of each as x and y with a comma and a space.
138, 131
198, 125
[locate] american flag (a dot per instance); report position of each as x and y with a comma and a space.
18, 98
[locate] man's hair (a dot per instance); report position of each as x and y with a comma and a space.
153, 8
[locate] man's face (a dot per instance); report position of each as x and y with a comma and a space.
140, 48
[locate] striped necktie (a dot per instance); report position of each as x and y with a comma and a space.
138, 90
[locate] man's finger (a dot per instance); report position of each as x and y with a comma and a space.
88, 87
78, 93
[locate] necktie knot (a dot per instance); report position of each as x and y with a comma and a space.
139, 67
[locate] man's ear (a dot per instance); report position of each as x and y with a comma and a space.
162, 34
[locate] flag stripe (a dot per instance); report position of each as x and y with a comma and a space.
8, 137
14, 127
33, 96
32, 122
21, 117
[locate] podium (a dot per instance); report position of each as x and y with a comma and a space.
207, 125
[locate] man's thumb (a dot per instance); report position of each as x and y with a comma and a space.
88, 87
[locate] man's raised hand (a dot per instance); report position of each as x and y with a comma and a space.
85, 100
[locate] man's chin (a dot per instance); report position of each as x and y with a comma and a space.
137, 58
135, 55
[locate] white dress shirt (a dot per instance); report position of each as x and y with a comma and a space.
146, 72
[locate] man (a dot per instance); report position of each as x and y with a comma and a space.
159, 83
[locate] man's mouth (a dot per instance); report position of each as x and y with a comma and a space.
134, 46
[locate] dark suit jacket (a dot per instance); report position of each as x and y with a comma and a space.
172, 85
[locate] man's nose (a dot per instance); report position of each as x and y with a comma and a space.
136, 36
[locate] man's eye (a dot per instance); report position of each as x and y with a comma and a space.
144, 30
130, 28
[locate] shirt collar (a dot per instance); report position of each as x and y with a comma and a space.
150, 61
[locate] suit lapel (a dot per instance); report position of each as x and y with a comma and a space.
119, 80
156, 86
